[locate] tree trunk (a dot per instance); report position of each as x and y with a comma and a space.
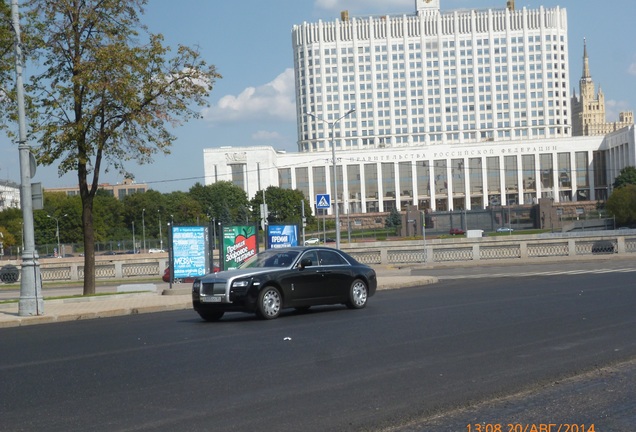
89, 244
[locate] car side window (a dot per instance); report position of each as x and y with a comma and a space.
311, 255
331, 258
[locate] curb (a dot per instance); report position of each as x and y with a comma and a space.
180, 299
186, 303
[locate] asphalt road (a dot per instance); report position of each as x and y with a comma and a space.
470, 270
480, 352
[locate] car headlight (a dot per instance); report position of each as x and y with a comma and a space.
196, 284
240, 283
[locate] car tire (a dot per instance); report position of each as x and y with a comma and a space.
211, 316
358, 294
269, 304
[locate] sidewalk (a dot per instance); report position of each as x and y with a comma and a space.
179, 298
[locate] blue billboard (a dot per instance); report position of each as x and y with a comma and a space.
280, 236
189, 249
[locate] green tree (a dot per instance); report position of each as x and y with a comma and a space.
221, 201
145, 209
394, 219
183, 208
107, 92
622, 204
283, 205
59, 210
627, 176
108, 217
7, 62
11, 227
7, 239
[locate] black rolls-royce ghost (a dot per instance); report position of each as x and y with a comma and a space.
275, 279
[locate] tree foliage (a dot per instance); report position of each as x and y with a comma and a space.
283, 205
7, 63
221, 201
627, 176
11, 226
394, 219
184, 209
622, 204
107, 92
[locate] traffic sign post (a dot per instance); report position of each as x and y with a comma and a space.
323, 201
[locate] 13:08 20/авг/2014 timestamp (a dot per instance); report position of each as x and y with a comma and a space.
530, 427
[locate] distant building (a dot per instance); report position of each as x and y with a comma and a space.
588, 109
119, 191
433, 77
9, 195
440, 110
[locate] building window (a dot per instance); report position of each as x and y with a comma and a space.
388, 180
458, 178
284, 178
238, 175
302, 180
547, 170
493, 177
441, 179
320, 180
582, 176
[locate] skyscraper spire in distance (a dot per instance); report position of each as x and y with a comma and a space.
586, 62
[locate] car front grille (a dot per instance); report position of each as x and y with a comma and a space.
213, 288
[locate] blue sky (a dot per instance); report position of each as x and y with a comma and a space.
249, 42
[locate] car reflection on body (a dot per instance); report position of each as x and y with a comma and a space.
275, 279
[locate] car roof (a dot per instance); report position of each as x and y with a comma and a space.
303, 248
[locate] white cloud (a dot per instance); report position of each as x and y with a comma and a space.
632, 68
274, 100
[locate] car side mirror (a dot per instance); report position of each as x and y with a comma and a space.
305, 262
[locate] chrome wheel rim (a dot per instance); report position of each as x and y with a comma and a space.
359, 293
271, 303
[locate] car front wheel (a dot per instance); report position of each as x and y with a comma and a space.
358, 294
270, 303
211, 316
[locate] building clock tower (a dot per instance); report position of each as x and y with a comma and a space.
426, 5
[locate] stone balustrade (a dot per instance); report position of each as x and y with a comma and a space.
434, 251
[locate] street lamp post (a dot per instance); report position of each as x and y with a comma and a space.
57, 233
332, 126
160, 234
143, 227
31, 302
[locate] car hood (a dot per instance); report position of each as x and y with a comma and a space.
233, 274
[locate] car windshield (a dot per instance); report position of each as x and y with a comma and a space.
271, 258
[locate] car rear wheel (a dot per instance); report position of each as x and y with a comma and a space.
358, 294
211, 316
270, 303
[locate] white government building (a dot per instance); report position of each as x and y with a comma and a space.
441, 110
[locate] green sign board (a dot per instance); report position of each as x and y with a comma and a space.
239, 244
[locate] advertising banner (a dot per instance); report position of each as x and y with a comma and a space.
239, 244
190, 251
280, 236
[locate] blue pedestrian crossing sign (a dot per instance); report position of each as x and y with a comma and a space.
323, 201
